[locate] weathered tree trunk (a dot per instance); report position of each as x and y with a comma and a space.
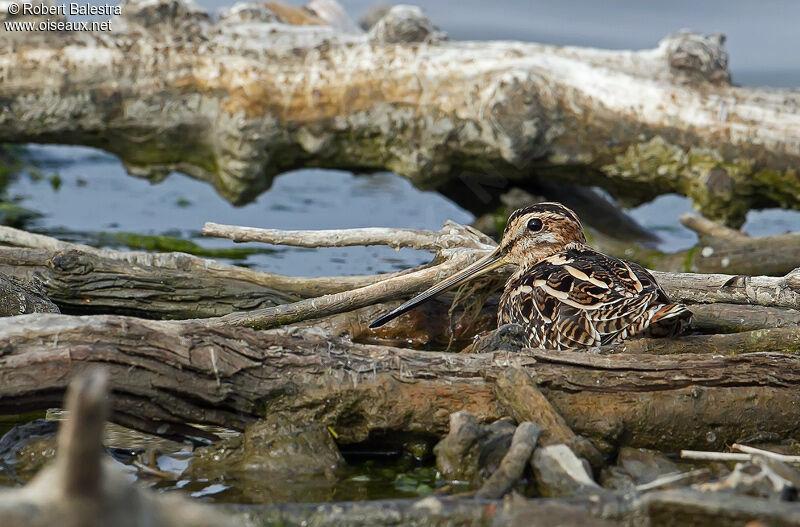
235, 104
87, 283
165, 374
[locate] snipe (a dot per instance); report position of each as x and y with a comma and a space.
565, 294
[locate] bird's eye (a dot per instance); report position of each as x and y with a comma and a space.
534, 225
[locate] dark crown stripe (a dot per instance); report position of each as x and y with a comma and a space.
544, 207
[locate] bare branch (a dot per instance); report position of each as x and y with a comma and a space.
766, 453
701, 455
395, 238
713, 229
332, 304
301, 286
783, 291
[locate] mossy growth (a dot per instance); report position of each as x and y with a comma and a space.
781, 186
163, 243
721, 188
12, 162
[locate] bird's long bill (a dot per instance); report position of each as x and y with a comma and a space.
483, 266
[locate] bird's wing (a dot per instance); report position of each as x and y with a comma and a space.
581, 298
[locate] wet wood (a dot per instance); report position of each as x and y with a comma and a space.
514, 462
518, 393
654, 509
236, 108
83, 489
172, 373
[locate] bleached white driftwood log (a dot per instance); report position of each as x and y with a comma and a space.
239, 100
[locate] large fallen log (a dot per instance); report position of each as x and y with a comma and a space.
239, 100
83, 282
167, 374
81, 488
655, 509
175, 285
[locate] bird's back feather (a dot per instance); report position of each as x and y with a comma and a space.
580, 298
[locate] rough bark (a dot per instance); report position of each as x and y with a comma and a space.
82, 282
783, 291
292, 285
235, 105
730, 318
169, 373
518, 393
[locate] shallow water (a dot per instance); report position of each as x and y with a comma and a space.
159, 464
95, 194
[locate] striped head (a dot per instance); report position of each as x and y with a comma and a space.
532, 234
536, 232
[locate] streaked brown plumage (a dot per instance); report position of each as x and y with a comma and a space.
564, 293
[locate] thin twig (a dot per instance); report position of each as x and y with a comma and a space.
774, 455
395, 238
704, 226
747, 453
701, 455
154, 471
392, 288
671, 479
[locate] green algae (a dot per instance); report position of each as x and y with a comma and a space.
721, 188
163, 243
